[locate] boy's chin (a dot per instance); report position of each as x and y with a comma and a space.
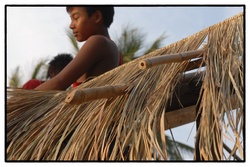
80, 39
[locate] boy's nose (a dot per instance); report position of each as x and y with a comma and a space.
71, 26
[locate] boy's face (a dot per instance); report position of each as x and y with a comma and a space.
83, 26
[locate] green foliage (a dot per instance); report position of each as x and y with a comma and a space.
38, 69
15, 79
156, 44
132, 40
73, 41
175, 148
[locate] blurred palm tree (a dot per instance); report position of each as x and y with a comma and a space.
40, 70
132, 41
175, 148
73, 41
15, 79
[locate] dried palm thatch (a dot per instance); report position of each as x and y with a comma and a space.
43, 125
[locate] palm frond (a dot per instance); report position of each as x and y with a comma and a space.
156, 44
15, 79
73, 41
38, 69
175, 149
130, 42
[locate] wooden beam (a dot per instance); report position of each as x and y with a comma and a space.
180, 117
185, 115
186, 93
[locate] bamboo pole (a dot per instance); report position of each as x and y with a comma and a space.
163, 59
79, 96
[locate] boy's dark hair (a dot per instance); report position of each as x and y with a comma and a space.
59, 62
107, 12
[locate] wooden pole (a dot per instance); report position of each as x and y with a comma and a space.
180, 117
229, 151
79, 96
163, 59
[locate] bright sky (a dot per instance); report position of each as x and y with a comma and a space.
35, 32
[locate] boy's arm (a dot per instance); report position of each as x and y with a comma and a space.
93, 50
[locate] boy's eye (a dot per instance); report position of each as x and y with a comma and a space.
75, 17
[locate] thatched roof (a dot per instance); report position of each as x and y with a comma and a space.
131, 125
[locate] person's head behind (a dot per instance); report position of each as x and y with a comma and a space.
107, 12
58, 63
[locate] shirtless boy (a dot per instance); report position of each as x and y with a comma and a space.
99, 53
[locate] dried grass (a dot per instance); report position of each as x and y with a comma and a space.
224, 78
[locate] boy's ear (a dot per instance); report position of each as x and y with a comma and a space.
98, 16
51, 73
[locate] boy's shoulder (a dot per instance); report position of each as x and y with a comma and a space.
100, 38
100, 41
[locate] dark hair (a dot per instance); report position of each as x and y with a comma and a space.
107, 12
59, 62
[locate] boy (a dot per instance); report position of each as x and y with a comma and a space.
55, 66
98, 55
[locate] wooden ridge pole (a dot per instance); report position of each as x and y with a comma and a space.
170, 58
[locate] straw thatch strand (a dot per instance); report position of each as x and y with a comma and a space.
131, 125
223, 79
